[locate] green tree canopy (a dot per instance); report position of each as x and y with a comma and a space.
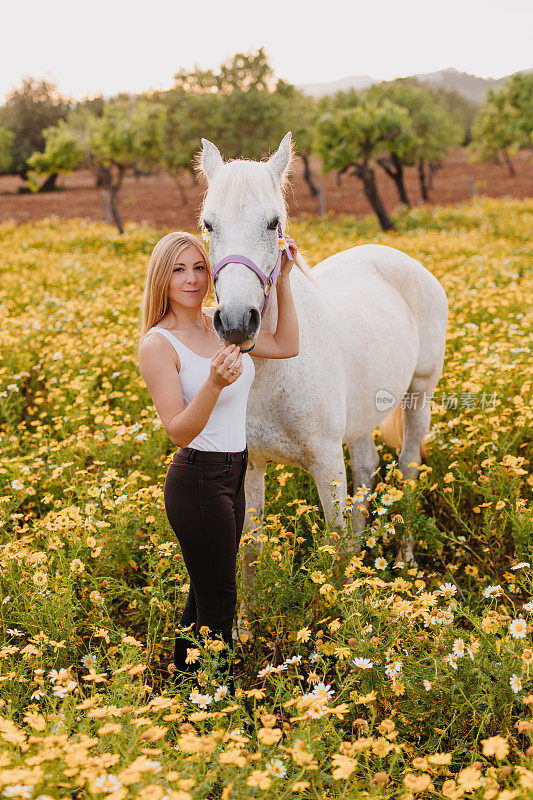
354, 138
6, 149
435, 131
504, 123
29, 109
248, 115
127, 133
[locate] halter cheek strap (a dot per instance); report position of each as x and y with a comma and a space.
267, 281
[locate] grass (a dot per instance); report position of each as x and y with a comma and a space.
371, 681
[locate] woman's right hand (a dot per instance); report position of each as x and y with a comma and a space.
224, 358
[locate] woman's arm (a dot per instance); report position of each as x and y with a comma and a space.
284, 343
159, 365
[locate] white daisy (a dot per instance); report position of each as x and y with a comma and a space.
451, 660
363, 663
276, 768
393, 669
458, 648
108, 783
201, 700
321, 689
493, 591
516, 683
221, 692
447, 589
266, 670
18, 790
293, 660
518, 628
316, 713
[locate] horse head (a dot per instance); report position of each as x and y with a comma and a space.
243, 212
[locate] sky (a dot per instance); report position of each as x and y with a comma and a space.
108, 46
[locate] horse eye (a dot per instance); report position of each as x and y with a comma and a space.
208, 226
273, 224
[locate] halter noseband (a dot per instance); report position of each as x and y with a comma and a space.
267, 281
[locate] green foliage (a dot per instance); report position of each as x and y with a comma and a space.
504, 124
242, 107
435, 131
6, 149
30, 109
125, 133
353, 136
62, 153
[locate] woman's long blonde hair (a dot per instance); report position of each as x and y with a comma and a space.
154, 303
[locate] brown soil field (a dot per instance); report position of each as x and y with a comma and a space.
155, 198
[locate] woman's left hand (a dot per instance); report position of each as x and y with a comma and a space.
286, 263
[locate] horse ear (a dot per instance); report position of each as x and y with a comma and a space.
281, 159
211, 159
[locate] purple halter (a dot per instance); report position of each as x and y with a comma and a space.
267, 281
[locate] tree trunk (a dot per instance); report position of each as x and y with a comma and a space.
400, 183
181, 190
422, 177
308, 177
431, 170
50, 183
114, 208
367, 175
107, 207
396, 174
509, 163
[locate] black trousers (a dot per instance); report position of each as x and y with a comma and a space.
205, 506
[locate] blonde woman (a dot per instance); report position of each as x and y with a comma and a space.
200, 389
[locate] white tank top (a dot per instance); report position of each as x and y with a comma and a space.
225, 430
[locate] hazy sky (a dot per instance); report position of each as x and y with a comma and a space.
112, 45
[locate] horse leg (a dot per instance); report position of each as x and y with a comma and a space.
252, 546
329, 473
364, 459
416, 416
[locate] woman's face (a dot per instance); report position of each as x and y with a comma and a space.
190, 279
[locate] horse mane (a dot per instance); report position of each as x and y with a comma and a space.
242, 176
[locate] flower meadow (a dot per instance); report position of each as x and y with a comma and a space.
364, 676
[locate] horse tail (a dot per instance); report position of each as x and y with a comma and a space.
391, 430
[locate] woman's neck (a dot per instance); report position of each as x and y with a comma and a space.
184, 318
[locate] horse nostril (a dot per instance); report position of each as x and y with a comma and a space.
217, 324
254, 320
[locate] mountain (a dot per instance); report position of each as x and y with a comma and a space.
356, 82
471, 87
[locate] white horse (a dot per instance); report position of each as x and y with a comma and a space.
372, 325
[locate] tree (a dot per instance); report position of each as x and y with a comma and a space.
355, 138
6, 149
125, 134
504, 123
248, 113
187, 118
435, 132
300, 117
36, 105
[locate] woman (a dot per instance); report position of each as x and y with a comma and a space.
200, 390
